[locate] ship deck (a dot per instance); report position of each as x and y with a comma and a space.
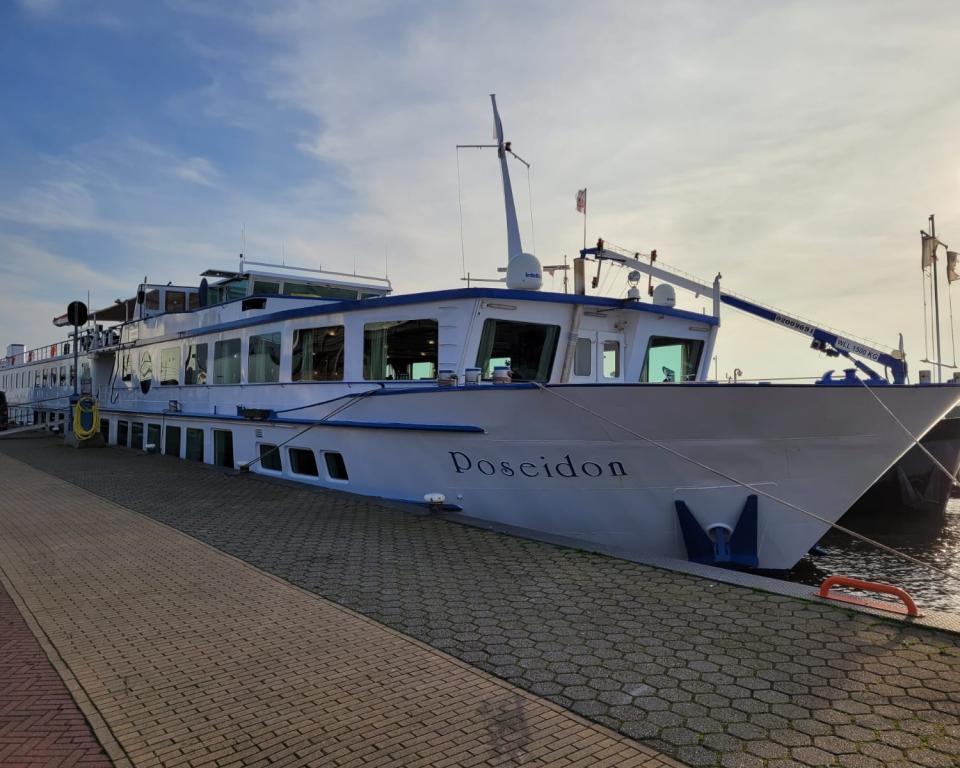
198, 616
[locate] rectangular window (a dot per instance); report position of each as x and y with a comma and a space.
223, 448
43, 380
404, 350
153, 438
336, 468
175, 301
263, 358
270, 458
136, 435
317, 354
122, 433
194, 299
152, 300
194, 444
583, 358
527, 349
611, 359
63, 375
303, 462
319, 291
171, 445
126, 367
170, 366
670, 360
265, 288
226, 362
195, 370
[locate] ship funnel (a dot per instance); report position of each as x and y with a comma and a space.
523, 269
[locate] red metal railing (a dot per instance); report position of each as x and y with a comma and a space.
910, 608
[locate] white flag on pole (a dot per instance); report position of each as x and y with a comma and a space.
929, 251
952, 273
582, 201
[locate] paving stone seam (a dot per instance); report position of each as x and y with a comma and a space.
123, 760
91, 713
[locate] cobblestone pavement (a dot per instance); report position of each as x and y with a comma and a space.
40, 725
193, 658
709, 673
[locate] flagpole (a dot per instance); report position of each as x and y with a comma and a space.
936, 304
584, 218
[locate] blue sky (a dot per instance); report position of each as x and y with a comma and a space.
795, 147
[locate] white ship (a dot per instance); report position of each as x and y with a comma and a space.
566, 415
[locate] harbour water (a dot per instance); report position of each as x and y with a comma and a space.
937, 544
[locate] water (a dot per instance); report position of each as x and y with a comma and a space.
938, 544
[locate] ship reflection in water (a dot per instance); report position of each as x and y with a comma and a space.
935, 541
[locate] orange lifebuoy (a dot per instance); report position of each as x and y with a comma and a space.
53, 350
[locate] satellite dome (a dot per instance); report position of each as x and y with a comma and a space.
664, 295
524, 273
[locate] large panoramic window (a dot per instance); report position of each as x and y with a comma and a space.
317, 354
263, 358
400, 350
170, 366
669, 360
195, 369
226, 362
527, 349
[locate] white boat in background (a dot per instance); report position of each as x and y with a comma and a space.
565, 415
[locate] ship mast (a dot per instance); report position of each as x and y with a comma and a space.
514, 247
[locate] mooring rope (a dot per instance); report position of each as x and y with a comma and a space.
334, 412
748, 486
916, 440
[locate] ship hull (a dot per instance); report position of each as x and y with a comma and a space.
604, 466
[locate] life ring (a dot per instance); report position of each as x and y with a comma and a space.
86, 417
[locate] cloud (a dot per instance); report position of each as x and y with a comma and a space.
197, 170
42, 7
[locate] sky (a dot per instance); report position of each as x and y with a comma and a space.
797, 148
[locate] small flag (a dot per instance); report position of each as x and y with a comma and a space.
929, 250
952, 273
582, 201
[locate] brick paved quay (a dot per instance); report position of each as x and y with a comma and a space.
40, 724
185, 656
709, 673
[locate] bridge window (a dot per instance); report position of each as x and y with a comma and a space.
583, 358
152, 300
527, 349
175, 301
126, 367
317, 354
226, 362
263, 358
195, 371
669, 360
402, 350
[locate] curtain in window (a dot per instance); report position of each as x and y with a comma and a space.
546, 356
374, 351
485, 350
